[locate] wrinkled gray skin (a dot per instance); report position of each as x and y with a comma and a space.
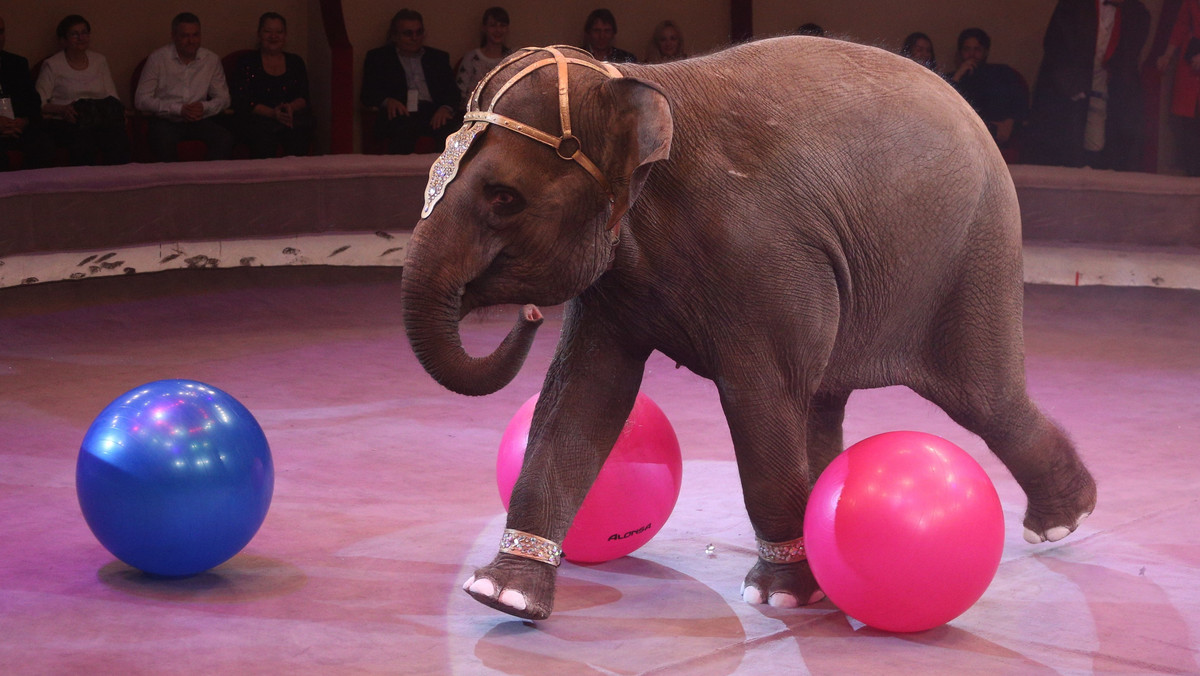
805, 217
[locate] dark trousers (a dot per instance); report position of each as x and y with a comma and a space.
90, 146
403, 131
35, 145
164, 135
1187, 140
266, 137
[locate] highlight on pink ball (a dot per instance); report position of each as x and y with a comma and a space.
633, 495
904, 531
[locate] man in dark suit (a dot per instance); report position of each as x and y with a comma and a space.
1088, 107
412, 86
20, 111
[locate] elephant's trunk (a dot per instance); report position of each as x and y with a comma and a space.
432, 309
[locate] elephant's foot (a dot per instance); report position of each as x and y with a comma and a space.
782, 585
1054, 517
515, 585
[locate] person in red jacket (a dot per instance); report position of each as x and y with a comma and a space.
1185, 98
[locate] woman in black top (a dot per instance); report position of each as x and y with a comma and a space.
270, 95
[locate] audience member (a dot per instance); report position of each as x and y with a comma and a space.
666, 43
598, 32
994, 90
183, 88
493, 47
79, 99
1185, 97
411, 84
270, 95
919, 48
812, 29
1087, 106
20, 111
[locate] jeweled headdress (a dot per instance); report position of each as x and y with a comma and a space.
475, 122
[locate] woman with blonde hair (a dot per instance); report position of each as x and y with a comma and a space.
666, 43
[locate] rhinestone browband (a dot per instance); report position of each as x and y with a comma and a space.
477, 119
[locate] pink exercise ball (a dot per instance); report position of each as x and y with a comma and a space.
904, 531
633, 495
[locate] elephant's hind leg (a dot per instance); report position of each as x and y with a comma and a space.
977, 377
1061, 492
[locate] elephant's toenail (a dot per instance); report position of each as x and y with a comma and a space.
751, 595
783, 600
483, 587
1057, 533
1033, 538
513, 599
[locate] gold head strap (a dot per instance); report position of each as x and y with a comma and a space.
566, 145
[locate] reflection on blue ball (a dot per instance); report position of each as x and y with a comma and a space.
174, 477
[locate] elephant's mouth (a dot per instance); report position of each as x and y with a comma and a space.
479, 295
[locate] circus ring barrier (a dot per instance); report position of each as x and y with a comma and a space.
358, 210
85, 222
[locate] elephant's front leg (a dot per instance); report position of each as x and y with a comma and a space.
588, 394
768, 424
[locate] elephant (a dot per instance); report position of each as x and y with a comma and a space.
794, 218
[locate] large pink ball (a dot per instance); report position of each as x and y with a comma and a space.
904, 531
633, 494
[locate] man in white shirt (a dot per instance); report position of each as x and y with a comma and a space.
183, 87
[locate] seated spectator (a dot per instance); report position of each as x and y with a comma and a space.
666, 43
491, 51
919, 48
20, 111
412, 85
1088, 105
79, 99
270, 95
812, 29
1185, 96
183, 87
994, 90
598, 33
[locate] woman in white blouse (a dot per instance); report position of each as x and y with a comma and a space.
79, 99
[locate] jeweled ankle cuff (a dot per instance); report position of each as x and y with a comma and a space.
520, 543
791, 551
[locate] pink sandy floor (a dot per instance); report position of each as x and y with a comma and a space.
385, 501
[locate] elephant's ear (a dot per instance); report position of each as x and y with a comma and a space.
642, 136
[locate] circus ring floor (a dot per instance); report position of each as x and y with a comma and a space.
385, 500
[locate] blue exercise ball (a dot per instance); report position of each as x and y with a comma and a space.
174, 477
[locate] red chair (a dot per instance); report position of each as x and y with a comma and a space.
372, 144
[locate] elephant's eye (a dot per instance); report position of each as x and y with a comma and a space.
503, 201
